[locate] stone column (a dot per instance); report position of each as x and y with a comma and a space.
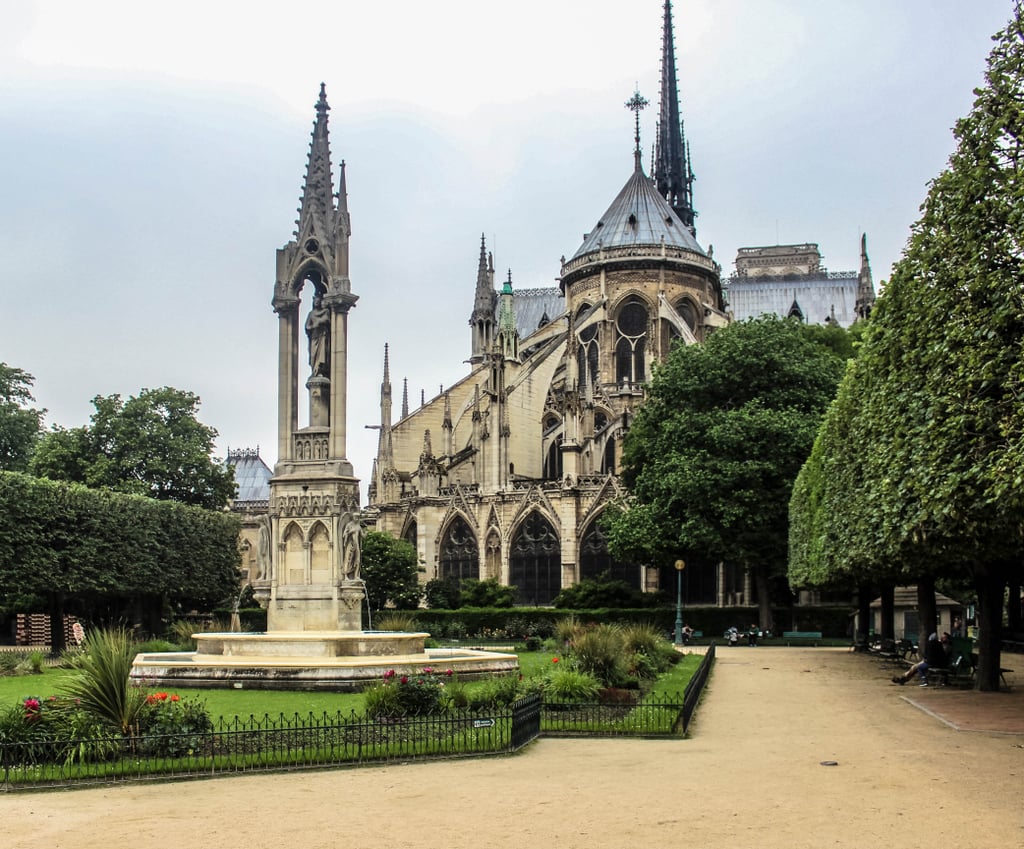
287, 377
339, 380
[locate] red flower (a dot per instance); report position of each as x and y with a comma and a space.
404, 679
554, 660
449, 673
389, 674
175, 697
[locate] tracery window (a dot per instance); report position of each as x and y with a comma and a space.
535, 561
587, 357
631, 326
460, 558
595, 559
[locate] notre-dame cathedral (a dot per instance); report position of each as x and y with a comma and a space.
506, 473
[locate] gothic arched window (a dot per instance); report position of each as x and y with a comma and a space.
535, 561
631, 326
460, 558
587, 359
687, 312
595, 559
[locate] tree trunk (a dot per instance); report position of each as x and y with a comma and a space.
887, 625
764, 598
928, 619
56, 610
864, 595
990, 584
1013, 613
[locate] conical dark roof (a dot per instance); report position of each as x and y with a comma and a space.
639, 216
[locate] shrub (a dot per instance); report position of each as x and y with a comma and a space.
442, 594
602, 591
397, 620
494, 693
489, 593
174, 726
156, 646
403, 694
570, 685
9, 662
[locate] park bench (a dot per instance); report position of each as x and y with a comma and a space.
801, 637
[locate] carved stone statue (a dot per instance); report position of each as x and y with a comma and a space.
318, 328
350, 538
263, 549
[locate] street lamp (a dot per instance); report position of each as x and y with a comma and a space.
680, 565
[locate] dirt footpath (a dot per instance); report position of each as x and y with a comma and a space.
749, 777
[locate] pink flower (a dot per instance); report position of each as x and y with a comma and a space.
428, 670
449, 673
389, 674
404, 679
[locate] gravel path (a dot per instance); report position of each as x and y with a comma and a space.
749, 777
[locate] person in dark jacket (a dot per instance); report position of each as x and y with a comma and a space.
936, 656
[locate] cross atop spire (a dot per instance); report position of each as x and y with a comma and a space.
673, 173
635, 105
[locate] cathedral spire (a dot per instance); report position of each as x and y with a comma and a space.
865, 285
482, 319
405, 397
672, 172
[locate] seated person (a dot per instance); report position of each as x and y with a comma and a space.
936, 656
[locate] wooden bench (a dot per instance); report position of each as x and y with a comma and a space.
801, 637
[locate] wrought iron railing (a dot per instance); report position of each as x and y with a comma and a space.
291, 743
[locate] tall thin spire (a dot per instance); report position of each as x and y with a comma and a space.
865, 285
672, 172
482, 318
317, 190
405, 397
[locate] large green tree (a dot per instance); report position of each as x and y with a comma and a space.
931, 482
711, 456
20, 424
391, 571
153, 444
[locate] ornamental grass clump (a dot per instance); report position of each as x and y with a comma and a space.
600, 651
100, 684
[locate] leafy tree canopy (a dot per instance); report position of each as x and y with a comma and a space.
152, 444
391, 571
712, 454
20, 424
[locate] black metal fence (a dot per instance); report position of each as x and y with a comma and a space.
326, 740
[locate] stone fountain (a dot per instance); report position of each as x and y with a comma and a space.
310, 552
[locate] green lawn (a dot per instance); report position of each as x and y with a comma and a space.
245, 703
241, 703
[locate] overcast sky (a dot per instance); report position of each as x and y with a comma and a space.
153, 155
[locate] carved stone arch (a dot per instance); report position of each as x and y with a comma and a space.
320, 555
595, 559
536, 499
458, 503
535, 558
410, 529
293, 554
611, 489
312, 270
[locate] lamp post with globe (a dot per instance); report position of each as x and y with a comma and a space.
680, 565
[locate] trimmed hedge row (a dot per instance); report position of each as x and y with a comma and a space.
66, 541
